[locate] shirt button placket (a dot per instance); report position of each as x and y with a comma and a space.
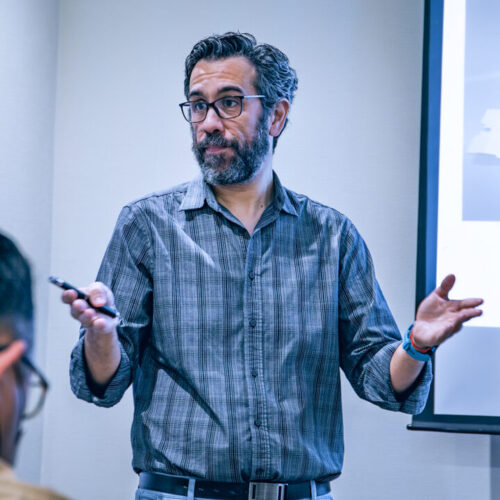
254, 326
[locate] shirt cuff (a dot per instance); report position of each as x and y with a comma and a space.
379, 387
116, 387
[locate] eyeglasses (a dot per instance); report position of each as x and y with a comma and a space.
230, 106
38, 387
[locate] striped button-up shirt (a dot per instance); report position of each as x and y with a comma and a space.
233, 343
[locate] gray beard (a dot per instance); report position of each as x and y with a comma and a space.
243, 166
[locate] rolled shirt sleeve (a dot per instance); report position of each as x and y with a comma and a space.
368, 334
114, 390
377, 385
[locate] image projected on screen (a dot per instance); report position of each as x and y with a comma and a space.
467, 371
481, 163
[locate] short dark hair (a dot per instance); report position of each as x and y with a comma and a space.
276, 79
16, 302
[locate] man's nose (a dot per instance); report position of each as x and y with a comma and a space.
212, 123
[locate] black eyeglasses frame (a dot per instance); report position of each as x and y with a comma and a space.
186, 105
44, 384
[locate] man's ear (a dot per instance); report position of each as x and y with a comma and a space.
17, 347
11, 355
278, 117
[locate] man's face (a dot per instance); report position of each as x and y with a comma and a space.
229, 151
12, 401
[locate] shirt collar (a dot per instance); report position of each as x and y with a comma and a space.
199, 192
281, 197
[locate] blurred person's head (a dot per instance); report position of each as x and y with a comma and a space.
16, 341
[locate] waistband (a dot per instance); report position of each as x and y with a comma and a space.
178, 485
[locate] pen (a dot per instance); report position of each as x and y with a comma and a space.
66, 286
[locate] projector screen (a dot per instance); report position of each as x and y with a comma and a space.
459, 213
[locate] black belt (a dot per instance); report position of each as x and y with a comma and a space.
176, 485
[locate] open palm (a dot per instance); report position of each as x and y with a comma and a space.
438, 317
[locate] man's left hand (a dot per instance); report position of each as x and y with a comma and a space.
438, 317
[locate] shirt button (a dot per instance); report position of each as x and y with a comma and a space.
257, 422
254, 373
252, 323
251, 275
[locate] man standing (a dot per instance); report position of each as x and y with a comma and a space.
16, 369
240, 301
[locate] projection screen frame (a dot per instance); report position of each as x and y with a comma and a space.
428, 213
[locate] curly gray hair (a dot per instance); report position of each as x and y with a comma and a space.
276, 79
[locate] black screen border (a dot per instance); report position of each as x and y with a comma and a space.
428, 212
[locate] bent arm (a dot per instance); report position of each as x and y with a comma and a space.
105, 359
369, 337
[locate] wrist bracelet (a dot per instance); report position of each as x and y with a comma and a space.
423, 350
412, 350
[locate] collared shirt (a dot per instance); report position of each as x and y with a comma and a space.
233, 343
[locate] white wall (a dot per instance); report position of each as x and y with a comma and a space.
119, 134
28, 48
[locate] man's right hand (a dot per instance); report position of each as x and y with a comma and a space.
93, 321
102, 348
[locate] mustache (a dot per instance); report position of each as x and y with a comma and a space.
216, 140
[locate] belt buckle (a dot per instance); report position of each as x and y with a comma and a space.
266, 491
